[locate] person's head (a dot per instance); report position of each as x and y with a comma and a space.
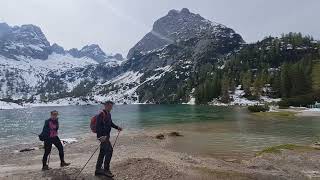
54, 114
108, 105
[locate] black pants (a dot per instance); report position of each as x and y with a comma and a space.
105, 154
47, 149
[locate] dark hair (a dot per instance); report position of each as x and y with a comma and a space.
108, 102
54, 111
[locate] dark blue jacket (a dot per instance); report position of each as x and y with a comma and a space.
45, 134
104, 124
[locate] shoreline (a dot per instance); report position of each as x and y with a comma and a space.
299, 111
59, 103
142, 156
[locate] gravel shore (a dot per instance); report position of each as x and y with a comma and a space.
144, 157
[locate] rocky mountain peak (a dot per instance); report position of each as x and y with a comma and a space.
177, 26
26, 41
118, 57
185, 11
93, 50
57, 49
4, 29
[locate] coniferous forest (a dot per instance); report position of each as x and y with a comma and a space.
287, 67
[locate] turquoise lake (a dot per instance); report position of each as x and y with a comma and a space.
208, 130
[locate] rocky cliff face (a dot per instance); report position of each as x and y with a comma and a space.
179, 26
26, 41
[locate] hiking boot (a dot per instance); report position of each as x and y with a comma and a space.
108, 173
63, 164
99, 172
45, 168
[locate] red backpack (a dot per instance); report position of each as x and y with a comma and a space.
93, 122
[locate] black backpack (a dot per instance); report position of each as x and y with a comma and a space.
41, 137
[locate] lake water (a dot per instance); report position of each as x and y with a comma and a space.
207, 129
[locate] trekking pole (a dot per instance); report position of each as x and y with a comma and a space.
116, 140
94, 153
87, 162
49, 159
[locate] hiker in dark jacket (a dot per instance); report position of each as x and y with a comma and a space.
50, 136
103, 128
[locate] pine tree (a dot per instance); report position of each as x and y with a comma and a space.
285, 81
257, 86
246, 82
276, 85
316, 76
225, 97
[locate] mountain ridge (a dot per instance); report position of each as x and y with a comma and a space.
204, 62
29, 41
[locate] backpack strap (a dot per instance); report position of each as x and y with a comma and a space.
104, 115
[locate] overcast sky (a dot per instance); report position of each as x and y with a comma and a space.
116, 25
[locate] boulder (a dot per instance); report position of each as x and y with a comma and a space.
175, 134
160, 136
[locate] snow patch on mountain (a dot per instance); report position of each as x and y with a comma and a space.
129, 82
163, 71
28, 74
238, 99
7, 105
55, 62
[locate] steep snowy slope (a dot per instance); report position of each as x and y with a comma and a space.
33, 70
21, 78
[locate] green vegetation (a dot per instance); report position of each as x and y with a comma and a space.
316, 75
258, 108
282, 114
207, 173
279, 148
211, 88
284, 104
283, 67
58, 90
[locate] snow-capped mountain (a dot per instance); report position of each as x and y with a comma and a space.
26, 40
159, 69
162, 64
30, 66
92, 51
